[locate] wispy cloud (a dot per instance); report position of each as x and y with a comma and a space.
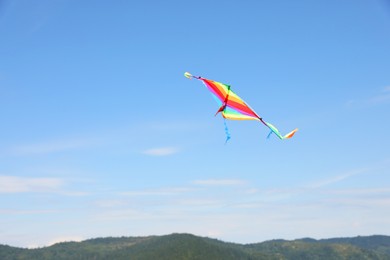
48, 147
335, 179
64, 239
12, 184
220, 182
162, 151
365, 202
194, 187
386, 89
158, 192
27, 212
366, 191
36, 242
382, 96
110, 203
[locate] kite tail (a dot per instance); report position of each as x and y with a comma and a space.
277, 133
226, 131
291, 134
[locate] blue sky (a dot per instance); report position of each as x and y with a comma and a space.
101, 135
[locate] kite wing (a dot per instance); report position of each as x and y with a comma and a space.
233, 107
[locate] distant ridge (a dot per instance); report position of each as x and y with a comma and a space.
187, 246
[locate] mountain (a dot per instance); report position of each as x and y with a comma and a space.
377, 243
187, 246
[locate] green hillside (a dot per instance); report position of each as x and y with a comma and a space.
315, 250
377, 243
186, 246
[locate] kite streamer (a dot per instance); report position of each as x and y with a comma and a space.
226, 131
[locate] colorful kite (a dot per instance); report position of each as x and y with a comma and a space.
233, 107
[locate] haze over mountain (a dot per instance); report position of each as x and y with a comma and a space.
187, 246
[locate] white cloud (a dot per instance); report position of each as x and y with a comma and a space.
51, 242
65, 239
157, 192
367, 191
163, 151
48, 147
382, 96
27, 212
335, 179
74, 193
361, 202
110, 203
386, 89
219, 182
12, 184
194, 202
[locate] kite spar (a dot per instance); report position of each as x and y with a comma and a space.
233, 107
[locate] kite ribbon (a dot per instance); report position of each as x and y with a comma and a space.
277, 133
226, 131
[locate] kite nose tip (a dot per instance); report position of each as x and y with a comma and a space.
187, 75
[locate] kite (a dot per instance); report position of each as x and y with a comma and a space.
234, 108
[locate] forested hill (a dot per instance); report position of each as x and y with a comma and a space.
186, 246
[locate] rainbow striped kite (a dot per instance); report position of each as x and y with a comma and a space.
233, 107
